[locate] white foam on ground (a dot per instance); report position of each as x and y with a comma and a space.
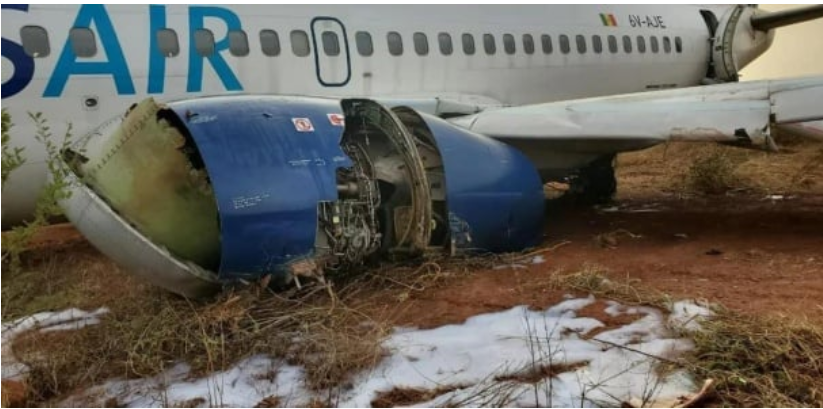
688, 315
481, 362
70, 319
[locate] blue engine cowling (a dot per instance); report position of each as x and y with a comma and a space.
304, 183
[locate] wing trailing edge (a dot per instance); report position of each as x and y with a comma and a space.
737, 113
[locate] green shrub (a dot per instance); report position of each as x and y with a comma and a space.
46, 208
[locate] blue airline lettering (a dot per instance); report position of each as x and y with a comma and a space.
116, 65
157, 61
23, 64
197, 16
67, 64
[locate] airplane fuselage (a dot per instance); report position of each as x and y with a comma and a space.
95, 61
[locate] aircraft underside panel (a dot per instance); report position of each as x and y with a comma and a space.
238, 188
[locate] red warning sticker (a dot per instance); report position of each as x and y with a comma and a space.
302, 124
337, 119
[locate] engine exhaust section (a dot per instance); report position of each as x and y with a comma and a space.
199, 193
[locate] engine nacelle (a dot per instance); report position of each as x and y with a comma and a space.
736, 43
205, 191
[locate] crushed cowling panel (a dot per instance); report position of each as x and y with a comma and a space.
144, 171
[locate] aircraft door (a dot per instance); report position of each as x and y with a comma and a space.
331, 52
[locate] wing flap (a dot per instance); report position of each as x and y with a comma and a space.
798, 105
730, 113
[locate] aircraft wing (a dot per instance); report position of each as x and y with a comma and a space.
806, 129
736, 113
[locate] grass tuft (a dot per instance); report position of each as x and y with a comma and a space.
761, 361
714, 173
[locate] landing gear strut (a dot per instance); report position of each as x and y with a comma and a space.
595, 183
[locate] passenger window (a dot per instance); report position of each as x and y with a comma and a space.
627, 44
489, 44
238, 43
468, 44
667, 45
167, 42
331, 44
597, 44
612, 44
364, 44
565, 48
508, 44
445, 42
35, 41
528, 44
395, 43
204, 42
678, 45
300, 43
546, 43
641, 44
581, 44
82, 42
655, 44
270, 43
421, 43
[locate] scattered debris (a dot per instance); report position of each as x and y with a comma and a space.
610, 240
713, 252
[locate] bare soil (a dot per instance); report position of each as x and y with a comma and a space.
752, 255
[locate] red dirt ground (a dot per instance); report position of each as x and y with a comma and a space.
751, 255
770, 258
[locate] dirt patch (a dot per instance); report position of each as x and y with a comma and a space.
456, 300
751, 255
270, 402
14, 394
540, 372
610, 322
409, 396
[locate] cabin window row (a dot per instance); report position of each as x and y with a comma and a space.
394, 41
35, 41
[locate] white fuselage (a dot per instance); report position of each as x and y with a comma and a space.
129, 65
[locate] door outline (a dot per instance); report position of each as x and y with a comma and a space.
317, 51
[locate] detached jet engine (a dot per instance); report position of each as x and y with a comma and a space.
201, 192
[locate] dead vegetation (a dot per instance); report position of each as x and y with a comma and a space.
329, 333
755, 361
714, 173
761, 361
399, 397
688, 169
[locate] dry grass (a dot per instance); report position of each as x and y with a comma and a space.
714, 174
761, 361
685, 169
149, 330
409, 396
592, 280
152, 331
756, 361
